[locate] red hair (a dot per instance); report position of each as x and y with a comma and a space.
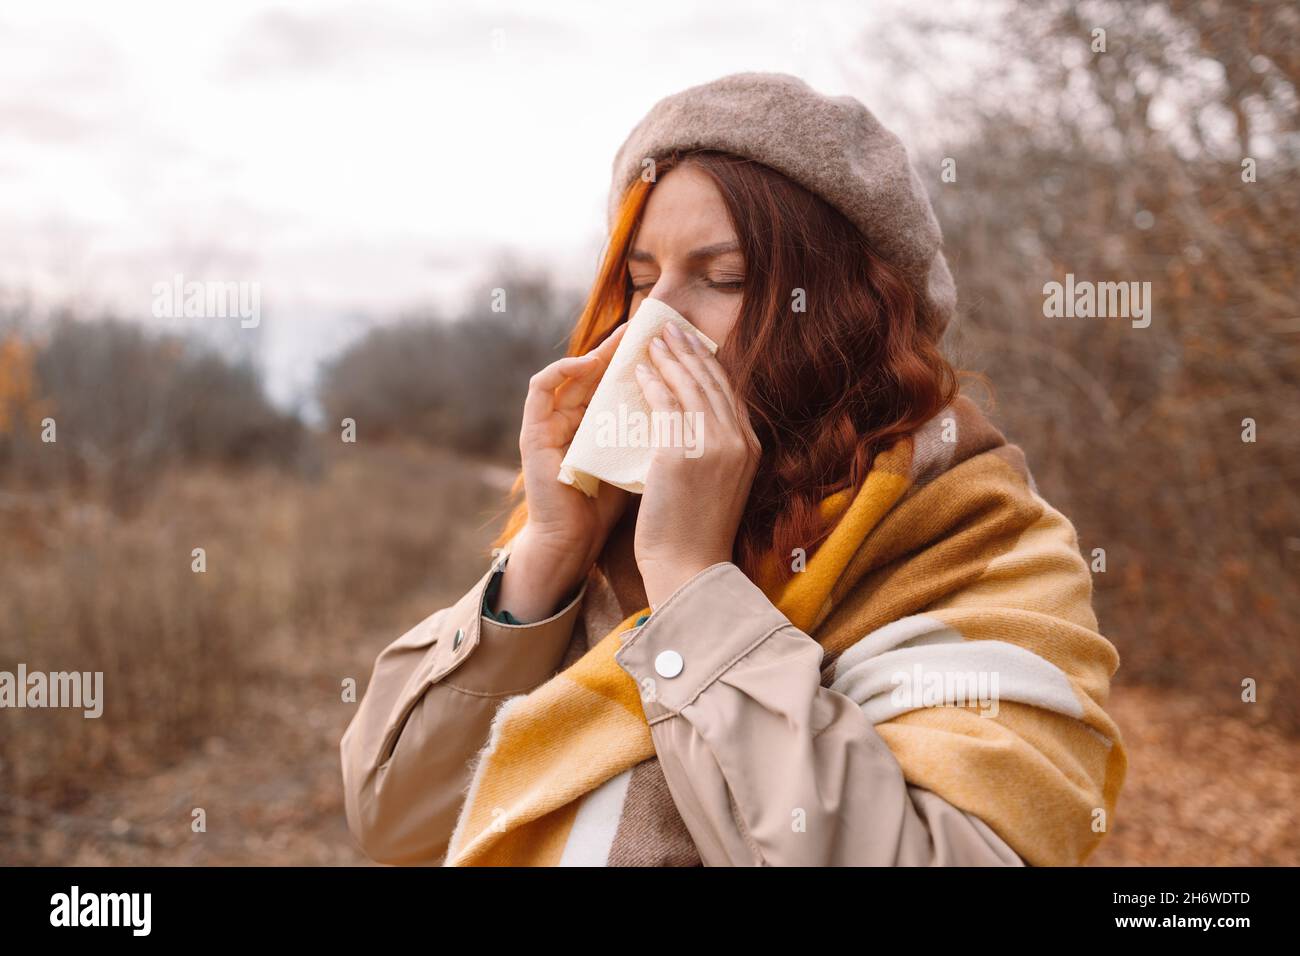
827, 388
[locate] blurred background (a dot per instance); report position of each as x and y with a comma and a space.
377, 172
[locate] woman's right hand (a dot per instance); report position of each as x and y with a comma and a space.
565, 530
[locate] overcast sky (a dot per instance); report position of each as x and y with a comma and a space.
355, 160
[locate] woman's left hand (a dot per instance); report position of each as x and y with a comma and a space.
696, 490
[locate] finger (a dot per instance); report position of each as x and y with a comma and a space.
606, 348
729, 410
711, 365
657, 394
685, 429
540, 401
691, 355
578, 393
555, 431
569, 419
739, 410
688, 390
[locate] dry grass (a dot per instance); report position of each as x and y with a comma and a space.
233, 675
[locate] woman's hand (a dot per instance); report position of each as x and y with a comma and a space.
696, 491
565, 529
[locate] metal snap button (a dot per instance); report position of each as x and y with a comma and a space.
455, 641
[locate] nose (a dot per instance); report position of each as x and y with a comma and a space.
665, 292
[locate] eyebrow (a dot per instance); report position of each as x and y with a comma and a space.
695, 255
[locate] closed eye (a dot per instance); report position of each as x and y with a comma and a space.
730, 283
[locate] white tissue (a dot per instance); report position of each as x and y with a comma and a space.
591, 457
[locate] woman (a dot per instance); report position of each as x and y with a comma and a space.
849, 632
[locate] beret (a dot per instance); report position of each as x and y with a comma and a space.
831, 145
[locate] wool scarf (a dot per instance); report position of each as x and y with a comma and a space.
945, 557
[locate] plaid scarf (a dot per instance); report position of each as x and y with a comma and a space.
947, 540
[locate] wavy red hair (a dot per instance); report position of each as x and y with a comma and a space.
827, 388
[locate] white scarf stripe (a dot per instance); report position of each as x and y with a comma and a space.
596, 823
919, 661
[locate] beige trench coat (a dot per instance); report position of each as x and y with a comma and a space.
746, 717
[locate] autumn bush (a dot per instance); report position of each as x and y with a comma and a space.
1171, 158
457, 383
109, 405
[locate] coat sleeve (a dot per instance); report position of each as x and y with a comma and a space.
767, 766
427, 711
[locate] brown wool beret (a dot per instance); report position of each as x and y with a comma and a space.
831, 145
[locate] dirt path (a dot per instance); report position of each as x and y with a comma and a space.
270, 787
1201, 791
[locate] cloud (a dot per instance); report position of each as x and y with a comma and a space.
354, 37
45, 123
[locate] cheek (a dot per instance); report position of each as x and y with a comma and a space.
717, 319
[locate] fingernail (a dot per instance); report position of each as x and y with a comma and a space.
641, 369
659, 344
675, 332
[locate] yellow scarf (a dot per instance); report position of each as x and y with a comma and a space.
1020, 772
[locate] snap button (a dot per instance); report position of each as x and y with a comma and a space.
455, 641
668, 664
